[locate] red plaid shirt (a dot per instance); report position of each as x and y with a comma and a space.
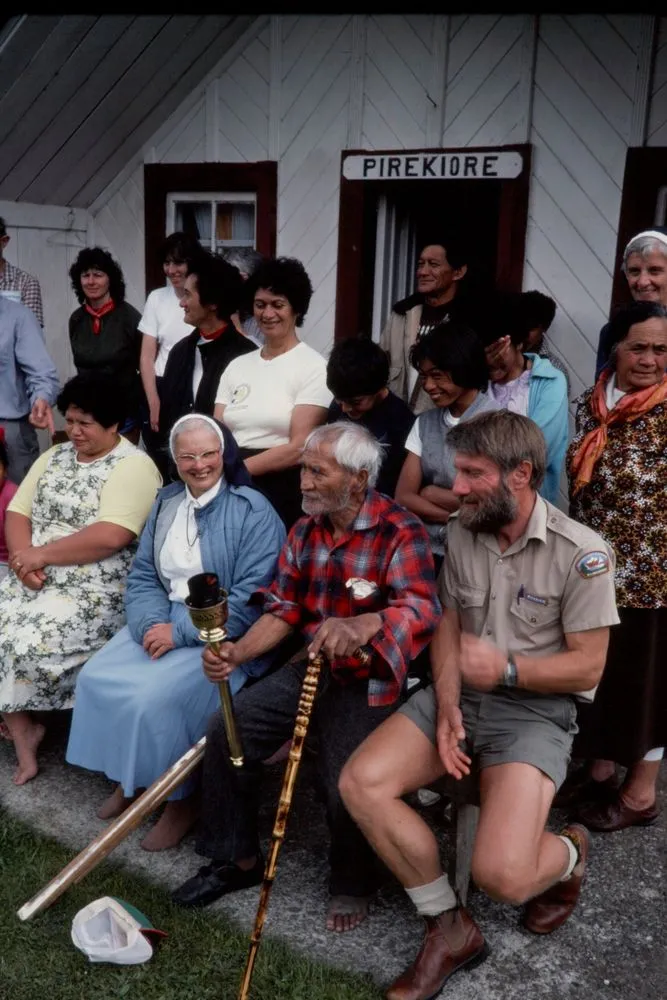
385, 545
13, 279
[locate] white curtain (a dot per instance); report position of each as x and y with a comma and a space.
395, 260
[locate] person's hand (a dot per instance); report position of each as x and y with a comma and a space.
158, 640
41, 416
340, 637
482, 663
498, 354
28, 560
154, 414
449, 734
218, 666
34, 580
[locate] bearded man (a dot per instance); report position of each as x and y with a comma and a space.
357, 572
528, 599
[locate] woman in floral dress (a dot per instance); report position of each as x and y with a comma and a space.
70, 531
617, 466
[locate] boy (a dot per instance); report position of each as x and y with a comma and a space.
357, 375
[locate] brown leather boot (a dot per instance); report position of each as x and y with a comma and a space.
548, 911
453, 941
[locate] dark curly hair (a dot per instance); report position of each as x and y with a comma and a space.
636, 312
455, 349
95, 258
284, 276
95, 393
357, 366
219, 284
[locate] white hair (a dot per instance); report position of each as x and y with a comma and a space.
194, 422
352, 445
650, 241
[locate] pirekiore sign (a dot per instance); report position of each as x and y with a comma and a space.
432, 166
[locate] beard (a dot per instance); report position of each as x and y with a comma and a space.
327, 503
491, 513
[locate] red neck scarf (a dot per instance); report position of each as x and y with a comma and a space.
97, 314
215, 334
630, 407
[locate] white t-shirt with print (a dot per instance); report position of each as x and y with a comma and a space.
259, 395
163, 319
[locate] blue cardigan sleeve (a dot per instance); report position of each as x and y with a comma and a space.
146, 601
550, 414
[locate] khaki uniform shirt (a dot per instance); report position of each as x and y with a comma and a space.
556, 579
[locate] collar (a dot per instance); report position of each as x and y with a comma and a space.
542, 366
208, 337
368, 516
205, 497
536, 528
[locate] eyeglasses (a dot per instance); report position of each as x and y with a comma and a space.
205, 456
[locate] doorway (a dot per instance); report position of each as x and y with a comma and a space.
384, 223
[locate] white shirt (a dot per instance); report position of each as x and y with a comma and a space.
163, 319
512, 396
612, 393
259, 395
180, 555
413, 441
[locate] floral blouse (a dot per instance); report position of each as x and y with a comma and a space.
626, 501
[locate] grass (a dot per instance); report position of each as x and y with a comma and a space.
202, 958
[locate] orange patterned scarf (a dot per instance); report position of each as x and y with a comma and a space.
630, 407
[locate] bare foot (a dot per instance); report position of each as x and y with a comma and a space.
26, 741
115, 804
347, 912
176, 820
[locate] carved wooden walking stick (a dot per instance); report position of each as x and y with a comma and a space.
303, 713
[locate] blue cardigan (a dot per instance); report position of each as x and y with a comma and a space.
240, 536
548, 407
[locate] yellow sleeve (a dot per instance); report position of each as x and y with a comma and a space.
21, 502
129, 492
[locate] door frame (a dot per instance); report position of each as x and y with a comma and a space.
355, 244
161, 179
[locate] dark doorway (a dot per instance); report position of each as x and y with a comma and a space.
384, 223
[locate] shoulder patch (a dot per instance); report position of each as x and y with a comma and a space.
592, 564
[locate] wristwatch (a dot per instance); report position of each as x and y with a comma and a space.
510, 678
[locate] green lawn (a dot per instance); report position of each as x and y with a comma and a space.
202, 958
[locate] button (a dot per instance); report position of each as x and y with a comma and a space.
488, 631
553, 520
493, 597
533, 620
499, 562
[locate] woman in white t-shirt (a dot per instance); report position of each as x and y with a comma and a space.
162, 324
273, 398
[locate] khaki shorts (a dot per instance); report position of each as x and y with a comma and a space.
507, 727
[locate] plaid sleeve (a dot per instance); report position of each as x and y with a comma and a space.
31, 296
281, 597
413, 609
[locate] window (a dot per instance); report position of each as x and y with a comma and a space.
218, 220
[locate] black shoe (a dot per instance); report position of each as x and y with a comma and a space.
216, 880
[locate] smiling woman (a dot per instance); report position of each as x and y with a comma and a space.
617, 467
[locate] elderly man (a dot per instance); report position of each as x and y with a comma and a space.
441, 268
529, 598
356, 572
28, 385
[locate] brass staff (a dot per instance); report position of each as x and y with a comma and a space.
303, 713
207, 604
117, 831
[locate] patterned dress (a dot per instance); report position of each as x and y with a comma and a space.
626, 502
45, 635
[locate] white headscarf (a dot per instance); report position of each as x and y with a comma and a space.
653, 234
181, 425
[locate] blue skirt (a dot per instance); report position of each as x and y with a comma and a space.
134, 717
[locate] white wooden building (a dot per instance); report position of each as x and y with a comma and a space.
111, 126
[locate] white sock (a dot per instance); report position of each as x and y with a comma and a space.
433, 898
657, 753
574, 857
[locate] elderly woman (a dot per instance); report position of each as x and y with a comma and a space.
645, 268
162, 324
143, 700
273, 398
104, 333
617, 466
527, 383
451, 364
69, 529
